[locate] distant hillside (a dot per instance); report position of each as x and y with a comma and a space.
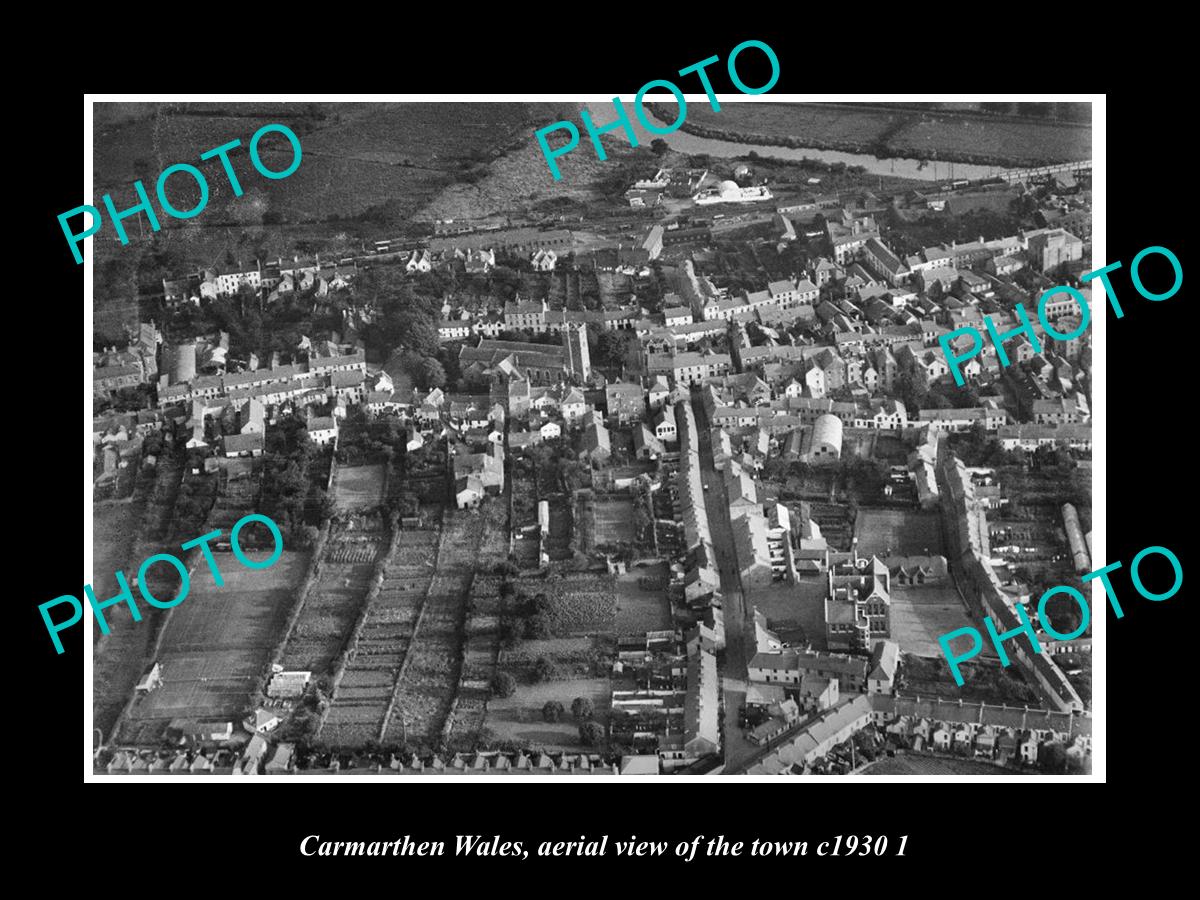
367, 168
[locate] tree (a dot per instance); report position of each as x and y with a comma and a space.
544, 669
537, 627
430, 374
552, 711
1052, 757
582, 709
659, 146
591, 734
503, 685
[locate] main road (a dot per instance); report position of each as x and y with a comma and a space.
739, 615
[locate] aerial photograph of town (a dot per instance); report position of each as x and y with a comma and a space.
660, 467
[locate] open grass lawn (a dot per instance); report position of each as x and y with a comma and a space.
358, 487
613, 521
891, 532
640, 610
218, 638
920, 615
519, 717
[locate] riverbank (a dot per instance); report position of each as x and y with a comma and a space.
889, 133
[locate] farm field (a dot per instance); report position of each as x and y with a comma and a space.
353, 154
853, 128
217, 641
921, 615
892, 532
367, 170
639, 610
910, 764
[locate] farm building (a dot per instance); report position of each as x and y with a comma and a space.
287, 685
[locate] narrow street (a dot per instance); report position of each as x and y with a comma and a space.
739, 618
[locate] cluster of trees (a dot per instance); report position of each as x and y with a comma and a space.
286, 483
1053, 758
305, 719
374, 439
591, 734
614, 349
978, 448
522, 617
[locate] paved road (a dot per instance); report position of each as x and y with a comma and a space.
739, 618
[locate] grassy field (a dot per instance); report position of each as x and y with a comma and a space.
933, 765
519, 717
904, 132
920, 615
640, 610
359, 487
218, 639
613, 521
888, 532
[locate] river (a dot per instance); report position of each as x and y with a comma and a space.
901, 167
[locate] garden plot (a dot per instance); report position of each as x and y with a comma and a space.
580, 603
482, 632
332, 605
359, 487
429, 676
365, 692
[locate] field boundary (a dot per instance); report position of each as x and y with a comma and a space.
351, 646
391, 707
310, 578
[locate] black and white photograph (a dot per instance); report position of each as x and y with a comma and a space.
442, 438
